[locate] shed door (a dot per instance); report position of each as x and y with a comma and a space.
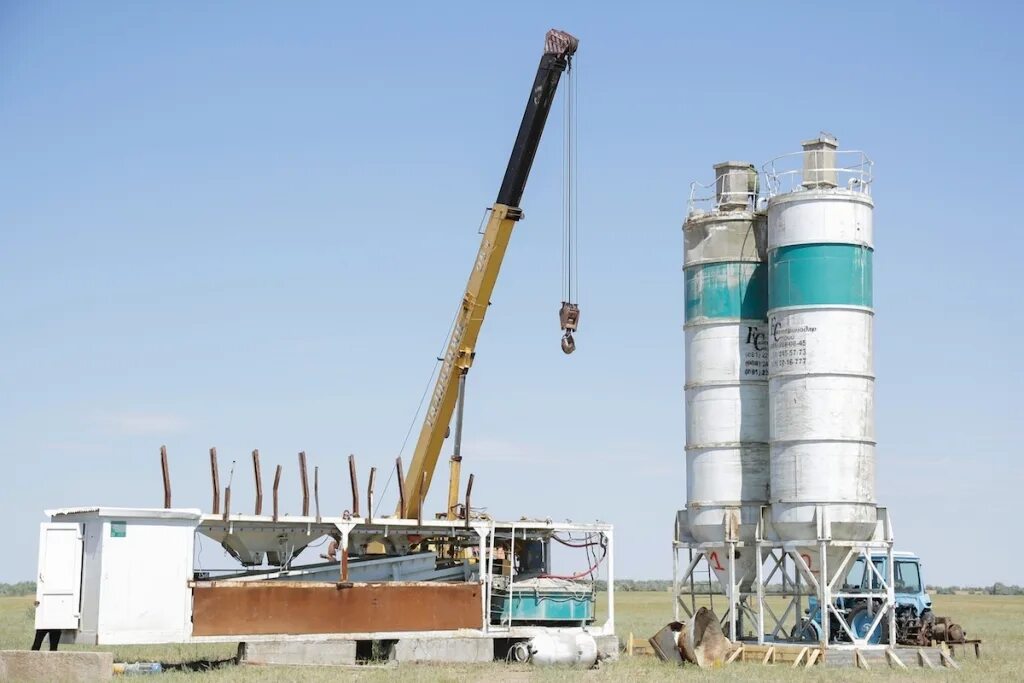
59, 585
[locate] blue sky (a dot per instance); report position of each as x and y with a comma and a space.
249, 226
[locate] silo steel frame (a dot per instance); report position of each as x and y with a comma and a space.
785, 561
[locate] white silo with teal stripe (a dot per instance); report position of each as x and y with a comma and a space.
821, 369
726, 366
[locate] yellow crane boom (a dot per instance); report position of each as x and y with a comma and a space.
559, 47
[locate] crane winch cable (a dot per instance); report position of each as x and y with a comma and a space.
569, 313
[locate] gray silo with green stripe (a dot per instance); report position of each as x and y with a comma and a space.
726, 301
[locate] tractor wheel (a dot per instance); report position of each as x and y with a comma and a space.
860, 620
807, 631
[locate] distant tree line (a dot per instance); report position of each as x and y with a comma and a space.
8, 590
998, 588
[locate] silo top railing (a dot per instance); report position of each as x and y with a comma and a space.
849, 170
704, 199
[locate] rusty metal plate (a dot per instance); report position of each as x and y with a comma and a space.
220, 609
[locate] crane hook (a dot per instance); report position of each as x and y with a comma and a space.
568, 344
569, 318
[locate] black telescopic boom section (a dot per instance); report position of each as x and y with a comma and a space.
559, 47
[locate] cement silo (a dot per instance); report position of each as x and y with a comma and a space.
726, 368
821, 370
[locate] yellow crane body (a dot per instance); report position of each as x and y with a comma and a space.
458, 356
559, 47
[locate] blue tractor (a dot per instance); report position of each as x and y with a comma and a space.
915, 621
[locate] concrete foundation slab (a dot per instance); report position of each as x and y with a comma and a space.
448, 650
607, 647
31, 666
298, 652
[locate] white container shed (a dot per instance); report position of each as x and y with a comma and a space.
112, 576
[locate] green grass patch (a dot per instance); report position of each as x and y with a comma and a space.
998, 620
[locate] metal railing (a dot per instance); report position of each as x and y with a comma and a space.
849, 170
705, 198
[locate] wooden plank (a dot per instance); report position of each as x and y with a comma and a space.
924, 661
800, 657
861, 660
812, 659
258, 608
636, 648
738, 652
768, 655
946, 660
894, 659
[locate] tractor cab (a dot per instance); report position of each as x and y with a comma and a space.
906, 579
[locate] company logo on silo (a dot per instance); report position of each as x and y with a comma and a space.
755, 362
788, 344
756, 337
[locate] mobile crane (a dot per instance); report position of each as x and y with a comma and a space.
449, 389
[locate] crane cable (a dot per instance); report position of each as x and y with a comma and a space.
570, 311
423, 397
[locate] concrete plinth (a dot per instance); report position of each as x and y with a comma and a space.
607, 647
31, 666
447, 650
298, 652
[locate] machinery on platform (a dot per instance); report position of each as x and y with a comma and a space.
477, 585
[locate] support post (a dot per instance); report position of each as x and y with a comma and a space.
759, 569
277, 483
369, 495
485, 578
316, 491
455, 468
675, 581
469, 493
797, 587
216, 481
610, 624
890, 590
355, 484
733, 600
167, 477
401, 487
344, 555
305, 483
423, 495
227, 502
824, 594
259, 481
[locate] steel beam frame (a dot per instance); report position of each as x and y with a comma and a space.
783, 560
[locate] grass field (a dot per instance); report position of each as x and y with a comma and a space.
999, 621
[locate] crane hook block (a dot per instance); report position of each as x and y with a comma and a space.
569, 316
568, 343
